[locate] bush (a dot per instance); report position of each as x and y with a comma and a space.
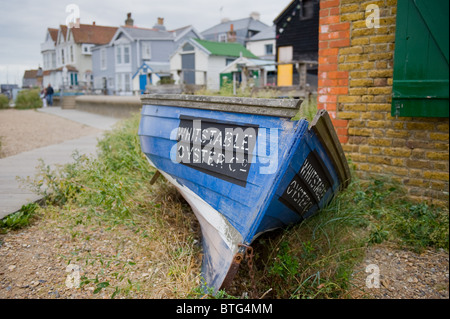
4, 102
28, 99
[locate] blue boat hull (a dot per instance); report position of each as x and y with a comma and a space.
280, 173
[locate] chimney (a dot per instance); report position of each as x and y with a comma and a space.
93, 23
129, 21
160, 24
224, 20
255, 15
231, 35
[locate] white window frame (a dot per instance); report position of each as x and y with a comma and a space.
121, 57
124, 83
103, 61
146, 51
222, 37
72, 56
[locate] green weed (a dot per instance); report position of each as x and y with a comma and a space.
28, 99
19, 219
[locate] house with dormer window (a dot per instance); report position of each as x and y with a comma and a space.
70, 49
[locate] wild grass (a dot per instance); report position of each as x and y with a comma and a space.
4, 102
28, 99
316, 258
110, 196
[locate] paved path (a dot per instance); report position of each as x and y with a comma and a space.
12, 193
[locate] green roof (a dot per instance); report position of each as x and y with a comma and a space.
225, 48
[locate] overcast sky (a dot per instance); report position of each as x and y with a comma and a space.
23, 23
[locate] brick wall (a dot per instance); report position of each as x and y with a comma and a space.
355, 86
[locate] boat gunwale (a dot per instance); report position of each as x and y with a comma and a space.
286, 108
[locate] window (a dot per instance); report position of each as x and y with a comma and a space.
188, 47
229, 61
103, 59
62, 57
126, 54
118, 55
123, 54
127, 82
307, 10
285, 54
421, 59
71, 54
223, 37
123, 81
119, 82
146, 53
269, 49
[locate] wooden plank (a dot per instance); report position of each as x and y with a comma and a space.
324, 129
269, 107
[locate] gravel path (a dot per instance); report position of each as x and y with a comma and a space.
24, 130
32, 263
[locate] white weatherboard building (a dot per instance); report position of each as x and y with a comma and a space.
200, 62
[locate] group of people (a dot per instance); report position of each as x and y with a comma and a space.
47, 96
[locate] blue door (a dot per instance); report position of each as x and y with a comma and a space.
142, 82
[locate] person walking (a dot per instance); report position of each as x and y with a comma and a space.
50, 95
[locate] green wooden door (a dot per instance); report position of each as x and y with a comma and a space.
421, 60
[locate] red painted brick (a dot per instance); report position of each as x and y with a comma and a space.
341, 131
339, 43
323, 44
330, 106
329, 20
337, 75
339, 123
329, 4
327, 82
325, 52
334, 11
324, 13
328, 67
343, 26
343, 139
338, 90
328, 59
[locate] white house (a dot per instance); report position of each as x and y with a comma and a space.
263, 44
200, 62
72, 50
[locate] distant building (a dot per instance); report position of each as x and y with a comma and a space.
71, 48
199, 62
263, 44
9, 90
240, 31
32, 78
136, 57
297, 39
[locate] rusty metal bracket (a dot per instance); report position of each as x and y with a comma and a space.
237, 259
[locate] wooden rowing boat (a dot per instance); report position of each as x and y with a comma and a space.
244, 167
